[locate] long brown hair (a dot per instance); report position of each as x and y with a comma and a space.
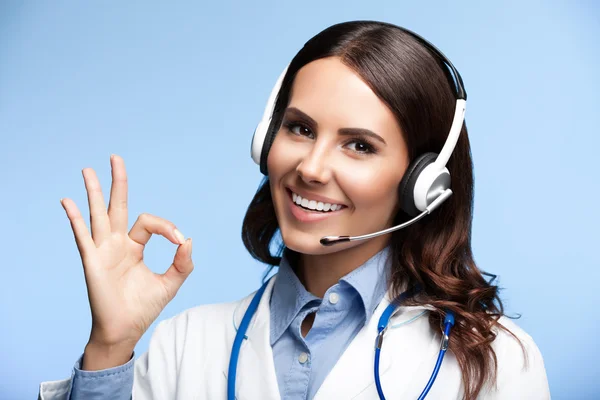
436, 252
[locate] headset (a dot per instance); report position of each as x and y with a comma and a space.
426, 182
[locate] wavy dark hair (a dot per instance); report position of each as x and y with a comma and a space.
435, 252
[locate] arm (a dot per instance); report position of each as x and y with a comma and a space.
151, 376
125, 296
110, 383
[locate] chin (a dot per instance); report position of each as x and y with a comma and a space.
309, 243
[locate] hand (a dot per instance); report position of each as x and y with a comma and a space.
125, 296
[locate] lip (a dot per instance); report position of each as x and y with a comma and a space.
303, 215
315, 197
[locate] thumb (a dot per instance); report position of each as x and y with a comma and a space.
180, 269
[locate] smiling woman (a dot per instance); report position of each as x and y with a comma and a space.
332, 156
360, 106
361, 133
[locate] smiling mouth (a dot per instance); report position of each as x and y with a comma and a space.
313, 206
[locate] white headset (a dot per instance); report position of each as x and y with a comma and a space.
427, 177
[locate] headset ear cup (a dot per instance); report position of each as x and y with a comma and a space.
265, 151
260, 151
407, 185
269, 139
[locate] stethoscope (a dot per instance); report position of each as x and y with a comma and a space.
382, 327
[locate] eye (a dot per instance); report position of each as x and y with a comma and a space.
361, 146
298, 128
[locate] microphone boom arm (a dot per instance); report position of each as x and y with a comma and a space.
331, 240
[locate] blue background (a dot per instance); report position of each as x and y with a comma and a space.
177, 89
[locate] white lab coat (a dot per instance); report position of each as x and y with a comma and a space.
188, 358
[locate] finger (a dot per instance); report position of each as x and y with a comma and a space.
84, 241
180, 269
146, 225
99, 222
117, 206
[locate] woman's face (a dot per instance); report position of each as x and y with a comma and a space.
342, 151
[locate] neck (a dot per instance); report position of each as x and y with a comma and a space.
320, 272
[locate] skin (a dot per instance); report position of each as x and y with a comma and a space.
319, 160
126, 296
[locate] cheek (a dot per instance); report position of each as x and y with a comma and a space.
280, 158
372, 187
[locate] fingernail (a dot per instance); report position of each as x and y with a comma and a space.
179, 236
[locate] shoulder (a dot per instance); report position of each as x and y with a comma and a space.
196, 329
213, 315
214, 320
194, 342
513, 345
520, 365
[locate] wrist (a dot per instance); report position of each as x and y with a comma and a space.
101, 356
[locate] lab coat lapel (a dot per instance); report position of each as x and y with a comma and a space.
256, 377
405, 355
354, 370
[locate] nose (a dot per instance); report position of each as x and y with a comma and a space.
314, 166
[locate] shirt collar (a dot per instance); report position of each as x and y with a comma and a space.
289, 295
370, 281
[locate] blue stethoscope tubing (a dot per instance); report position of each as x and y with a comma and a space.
381, 328
237, 342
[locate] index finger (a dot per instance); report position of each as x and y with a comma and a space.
117, 208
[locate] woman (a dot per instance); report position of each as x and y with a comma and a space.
356, 116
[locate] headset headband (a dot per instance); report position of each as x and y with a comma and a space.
425, 182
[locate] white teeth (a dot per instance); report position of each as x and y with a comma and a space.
313, 204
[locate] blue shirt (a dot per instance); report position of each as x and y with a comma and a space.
301, 363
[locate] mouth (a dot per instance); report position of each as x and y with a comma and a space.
306, 210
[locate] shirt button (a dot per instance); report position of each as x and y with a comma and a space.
303, 357
334, 298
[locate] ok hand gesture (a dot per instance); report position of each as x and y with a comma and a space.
125, 296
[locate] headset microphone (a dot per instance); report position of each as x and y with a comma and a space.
331, 240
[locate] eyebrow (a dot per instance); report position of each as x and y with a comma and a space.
342, 131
